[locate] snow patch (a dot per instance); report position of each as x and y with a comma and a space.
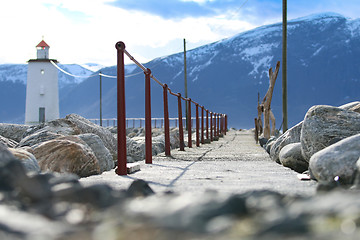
317, 51
263, 62
354, 27
94, 67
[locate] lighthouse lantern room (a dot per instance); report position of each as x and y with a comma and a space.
42, 94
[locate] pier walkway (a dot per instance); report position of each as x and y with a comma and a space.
234, 164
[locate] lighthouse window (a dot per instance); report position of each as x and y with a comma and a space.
42, 71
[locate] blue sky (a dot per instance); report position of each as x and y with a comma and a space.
83, 31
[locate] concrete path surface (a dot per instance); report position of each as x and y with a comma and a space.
234, 164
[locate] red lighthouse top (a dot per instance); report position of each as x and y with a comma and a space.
43, 44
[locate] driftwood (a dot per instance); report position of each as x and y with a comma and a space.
260, 110
265, 108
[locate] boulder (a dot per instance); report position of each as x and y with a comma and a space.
62, 155
93, 141
86, 126
326, 125
269, 144
292, 135
103, 155
8, 142
38, 137
5, 155
356, 108
60, 126
135, 149
263, 141
27, 159
350, 105
73, 125
290, 156
13, 131
357, 176
338, 160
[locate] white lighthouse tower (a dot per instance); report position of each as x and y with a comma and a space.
42, 93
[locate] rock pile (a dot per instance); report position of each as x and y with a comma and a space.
75, 145
326, 142
56, 206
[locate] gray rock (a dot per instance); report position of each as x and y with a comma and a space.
357, 176
99, 196
59, 126
356, 108
13, 131
350, 105
139, 188
67, 156
292, 135
40, 136
101, 152
5, 155
263, 141
135, 149
326, 125
27, 159
338, 159
86, 126
8, 142
290, 156
269, 143
70, 125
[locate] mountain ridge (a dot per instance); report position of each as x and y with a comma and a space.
226, 76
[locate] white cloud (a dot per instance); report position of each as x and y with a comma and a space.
82, 31
86, 31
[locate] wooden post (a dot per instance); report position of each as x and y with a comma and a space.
256, 131
267, 99
284, 67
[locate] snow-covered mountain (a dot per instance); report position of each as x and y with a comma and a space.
226, 76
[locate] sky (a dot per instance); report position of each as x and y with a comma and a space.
85, 31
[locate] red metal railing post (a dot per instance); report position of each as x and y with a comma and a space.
189, 124
121, 117
224, 130
226, 123
207, 124
211, 127
181, 130
218, 124
197, 125
148, 137
166, 121
202, 125
215, 125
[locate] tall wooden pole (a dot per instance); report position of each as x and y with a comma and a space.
100, 100
185, 81
284, 67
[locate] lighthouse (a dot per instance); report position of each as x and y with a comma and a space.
42, 91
